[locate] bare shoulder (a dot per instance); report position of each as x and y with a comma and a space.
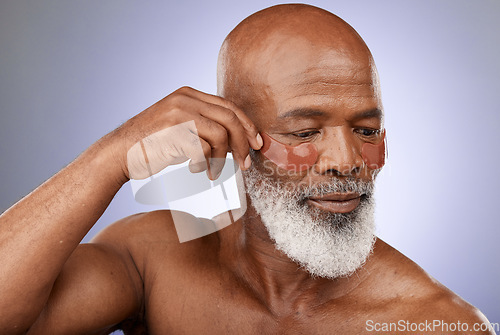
410, 293
134, 235
139, 227
151, 238
156, 227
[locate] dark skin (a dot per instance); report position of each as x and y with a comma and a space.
135, 274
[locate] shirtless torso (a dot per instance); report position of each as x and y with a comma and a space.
207, 286
135, 275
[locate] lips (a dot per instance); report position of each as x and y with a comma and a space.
336, 202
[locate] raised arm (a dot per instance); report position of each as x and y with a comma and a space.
40, 232
39, 235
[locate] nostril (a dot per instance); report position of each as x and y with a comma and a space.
344, 170
356, 170
333, 172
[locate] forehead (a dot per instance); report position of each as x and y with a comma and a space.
299, 74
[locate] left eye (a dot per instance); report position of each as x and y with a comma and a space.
368, 132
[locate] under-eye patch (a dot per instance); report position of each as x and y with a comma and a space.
298, 158
374, 154
305, 155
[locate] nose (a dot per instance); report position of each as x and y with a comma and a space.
339, 153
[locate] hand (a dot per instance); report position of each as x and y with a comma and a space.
187, 124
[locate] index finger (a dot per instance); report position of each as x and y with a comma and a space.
251, 130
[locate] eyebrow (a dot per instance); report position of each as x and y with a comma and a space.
375, 113
301, 113
304, 113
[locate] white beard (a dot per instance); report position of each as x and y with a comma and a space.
325, 244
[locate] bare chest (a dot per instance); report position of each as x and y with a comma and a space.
211, 305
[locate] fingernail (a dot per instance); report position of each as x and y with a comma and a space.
259, 140
248, 162
214, 177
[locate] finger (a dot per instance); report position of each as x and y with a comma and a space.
216, 136
249, 127
236, 139
220, 128
199, 152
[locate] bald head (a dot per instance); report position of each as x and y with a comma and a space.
287, 47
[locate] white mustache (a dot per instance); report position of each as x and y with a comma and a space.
335, 185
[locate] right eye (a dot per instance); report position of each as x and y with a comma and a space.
305, 134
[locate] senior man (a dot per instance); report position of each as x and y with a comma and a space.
303, 258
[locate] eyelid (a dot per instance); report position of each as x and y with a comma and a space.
312, 132
375, 130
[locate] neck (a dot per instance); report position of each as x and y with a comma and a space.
273, 277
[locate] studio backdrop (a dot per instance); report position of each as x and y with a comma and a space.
71, 71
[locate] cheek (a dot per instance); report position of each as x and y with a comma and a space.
297, 158
374, 154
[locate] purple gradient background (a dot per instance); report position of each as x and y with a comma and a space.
73, 71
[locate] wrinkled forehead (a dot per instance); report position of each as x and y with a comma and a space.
284, 53
289, 72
